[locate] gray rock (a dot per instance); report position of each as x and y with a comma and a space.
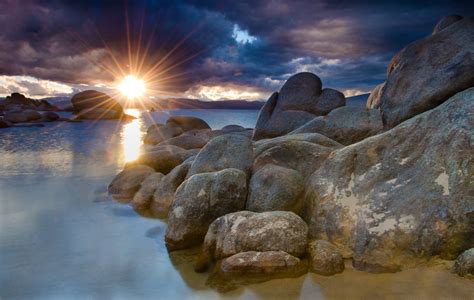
4, 123
22, 116
188, 141
325, 259
429, 71
164, 158
97, 114
165, 191
445, 22
92, 99
187, 123
248, 231
49, 116
124, 186
299, 100
143, 197
305, 157
373, 102
222, 152
233, 128
464, 264
403, 196
275, 188
346, 125
200, 200
157, 134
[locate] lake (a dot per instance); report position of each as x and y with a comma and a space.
62, 237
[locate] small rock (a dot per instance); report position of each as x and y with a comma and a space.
124, 186
325, 259
49, 116
464, 264
142, 199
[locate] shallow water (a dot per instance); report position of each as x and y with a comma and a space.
62, 237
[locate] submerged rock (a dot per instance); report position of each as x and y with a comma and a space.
124, 186
464, 264
300, 100
325, 258
200, 200
402, 196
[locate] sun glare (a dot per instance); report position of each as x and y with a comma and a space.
132, 87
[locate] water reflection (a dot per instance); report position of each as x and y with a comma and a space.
132, 136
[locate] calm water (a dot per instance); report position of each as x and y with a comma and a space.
61, 237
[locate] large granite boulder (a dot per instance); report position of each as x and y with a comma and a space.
464, 264
429, 71
92, 99
124, 186
222, 152
373, 102
158, 133
188, 141
143, 197
300, 100
249, 231
200, 200
275, 188
97, 114
445, 22
346, 125
164, 158
324, 258
187, 123
402, 196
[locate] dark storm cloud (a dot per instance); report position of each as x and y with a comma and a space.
347, 43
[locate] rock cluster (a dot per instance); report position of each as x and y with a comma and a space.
18, 102
388, 186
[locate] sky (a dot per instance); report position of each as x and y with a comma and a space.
206, 49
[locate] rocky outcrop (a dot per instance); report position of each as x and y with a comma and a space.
346, 125
124, 186
200, 200
187, 123
429, 71
248, 231
403, 196
18, 102
275, 188
373, 102
225, 151
300, 100
464, 264
92, 99
324, 259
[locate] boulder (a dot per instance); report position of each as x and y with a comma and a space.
49, 116
325, 259
428, 72
233, 128
445, 22
403, 196
222, 152
300, 99
124, 186
157, 134
373, 102
464, 264
188, 141
97, 114
92, 99
275, 188
4, 123
200, 200
143, 197
346, 125
164, 158
166, 188
305, 157
248, 231
187, 123
22, 116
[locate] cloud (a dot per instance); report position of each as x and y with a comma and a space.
32, 87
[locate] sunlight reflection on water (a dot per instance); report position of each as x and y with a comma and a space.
132, 136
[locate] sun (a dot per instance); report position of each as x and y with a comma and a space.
132, 87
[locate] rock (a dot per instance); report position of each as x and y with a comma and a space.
165, 191
92, 99
164, 158
232, 128
299, 101
428, 72
142, 199
23, 116
200, 200
445, 22
17, 101
187, 123
188, 141
248, 231
4, 123
222, 152
275, 188
97, 114
305, 157
346, 125
464, 264
373, 102
49, 116
403, 196
325, 259
157, 134
124, 186
315, 138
